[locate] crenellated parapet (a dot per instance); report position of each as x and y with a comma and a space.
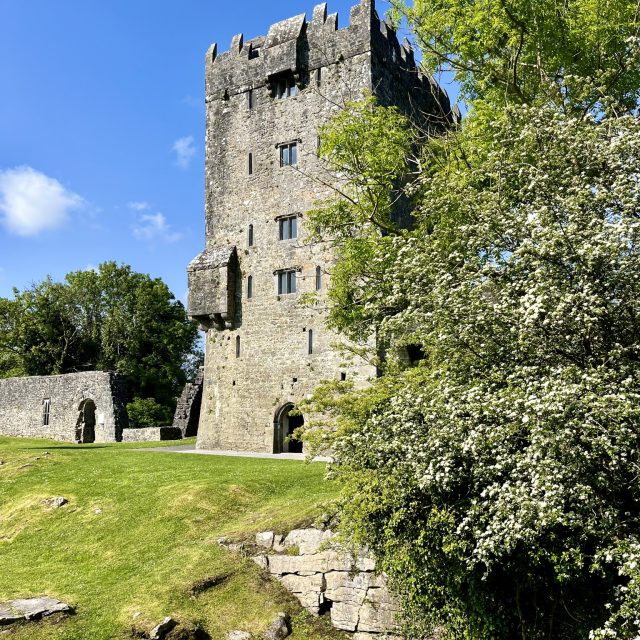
299, 47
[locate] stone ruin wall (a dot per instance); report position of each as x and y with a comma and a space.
187, 414
21, 405
328, 580
244, 393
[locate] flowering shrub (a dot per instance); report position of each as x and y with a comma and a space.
498, 480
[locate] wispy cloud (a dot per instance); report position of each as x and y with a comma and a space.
184, 149
139, 206
32, 202
154, 228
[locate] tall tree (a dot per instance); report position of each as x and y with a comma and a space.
108, 319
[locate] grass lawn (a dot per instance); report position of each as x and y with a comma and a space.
140, 529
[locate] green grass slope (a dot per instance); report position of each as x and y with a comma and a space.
140, 530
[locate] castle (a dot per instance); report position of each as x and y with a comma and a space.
266, 98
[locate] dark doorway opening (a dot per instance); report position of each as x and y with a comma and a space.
86, 425
285, 425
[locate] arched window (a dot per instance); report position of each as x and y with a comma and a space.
237, 346
250, 287
250, 239
310, 345
318, 278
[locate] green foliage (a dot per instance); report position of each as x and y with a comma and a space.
109, 319
580, 55
497, 481
146, 412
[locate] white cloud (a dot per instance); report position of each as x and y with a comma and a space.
31, 202
154, 228
184, 150
139, 206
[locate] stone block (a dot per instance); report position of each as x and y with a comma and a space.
343, 587
308, 565
308, 589
264, 539
345, 616
308, 541
378, 618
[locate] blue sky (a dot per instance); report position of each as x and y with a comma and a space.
102, 130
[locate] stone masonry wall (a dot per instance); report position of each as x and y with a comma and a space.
258, 360
22, 404
187, 414
327, 579
151, 434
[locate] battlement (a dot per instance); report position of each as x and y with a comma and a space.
298, 47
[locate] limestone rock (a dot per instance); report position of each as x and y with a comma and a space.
278, 544
56, 503
238, 635
166, 626
31, 609
310, 564
265, 539
345, 616
343, 587
308, 541
262, 561
308, 589
279, 628
378, 618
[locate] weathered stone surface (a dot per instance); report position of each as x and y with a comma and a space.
160, 632
56, 503
258, 363
82, 407
279, 628
151, 434
238, 635
332, 579
310, 564
262, 561
28, 609
308, 590
265, 539
187, 414
308, 541
345, 616
344, 587
377, 618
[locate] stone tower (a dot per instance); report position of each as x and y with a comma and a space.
265, 350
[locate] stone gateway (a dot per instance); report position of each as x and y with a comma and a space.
266, 347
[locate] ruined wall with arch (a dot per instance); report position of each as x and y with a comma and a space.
52, 406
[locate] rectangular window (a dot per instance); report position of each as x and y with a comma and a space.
318, 278
318, 77
286, 88
250, 164
250, 236
286, 282
288, 228
288, 154
46, 411
310, 343
251, 99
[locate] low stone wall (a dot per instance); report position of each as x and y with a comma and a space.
327, 579
23, 400
151, 434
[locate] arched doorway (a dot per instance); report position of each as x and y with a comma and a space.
86, 425
284, 426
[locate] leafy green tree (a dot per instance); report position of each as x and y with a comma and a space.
108, 319
497, 479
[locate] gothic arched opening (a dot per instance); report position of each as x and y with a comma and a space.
284, 426
86, 425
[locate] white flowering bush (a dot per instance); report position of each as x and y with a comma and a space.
498, 480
